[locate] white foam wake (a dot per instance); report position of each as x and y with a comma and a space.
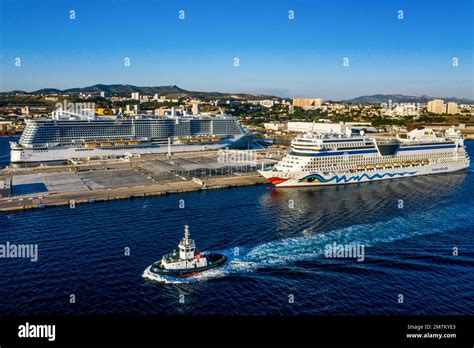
304, 248
285, 251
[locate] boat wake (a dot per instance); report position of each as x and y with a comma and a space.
285, 251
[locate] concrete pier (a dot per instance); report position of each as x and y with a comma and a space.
95, 181
80, 197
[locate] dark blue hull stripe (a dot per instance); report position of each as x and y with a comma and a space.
335, 153
349, 152
427, 147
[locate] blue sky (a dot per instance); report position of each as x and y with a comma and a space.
299, 57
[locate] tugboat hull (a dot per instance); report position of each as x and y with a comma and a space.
213, 261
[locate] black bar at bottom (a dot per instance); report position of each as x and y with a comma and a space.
292, 330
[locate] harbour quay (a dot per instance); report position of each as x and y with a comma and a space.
88, 181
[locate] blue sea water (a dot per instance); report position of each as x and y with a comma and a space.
275, 241
5, 151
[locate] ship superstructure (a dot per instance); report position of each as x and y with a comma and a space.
330, 159
186, 262
79, 136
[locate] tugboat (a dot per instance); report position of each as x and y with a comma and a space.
186, 263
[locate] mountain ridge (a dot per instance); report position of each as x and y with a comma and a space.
401, 98
127, 89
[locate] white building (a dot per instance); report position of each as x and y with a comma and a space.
267, 103
195, 108
136, 95
275, 126
402, 109
318, 127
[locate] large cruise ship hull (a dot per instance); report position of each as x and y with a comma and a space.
62, 153
76, 136
302, 179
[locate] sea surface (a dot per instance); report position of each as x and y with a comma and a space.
5, 151
275, 241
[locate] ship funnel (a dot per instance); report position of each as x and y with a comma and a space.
186, 232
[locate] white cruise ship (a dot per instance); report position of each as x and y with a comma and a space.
331, 159
88, 136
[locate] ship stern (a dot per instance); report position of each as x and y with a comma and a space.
16, 151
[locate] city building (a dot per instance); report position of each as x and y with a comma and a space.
401, 109
436, 106
452, 108
275, 126
102, 94
195, 108
317, 127
132, 109
136, 95
267, 103
308, 103
163, 111
5, 187
233, 102
25, 110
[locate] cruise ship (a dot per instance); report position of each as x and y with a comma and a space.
334, 159
79, 135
